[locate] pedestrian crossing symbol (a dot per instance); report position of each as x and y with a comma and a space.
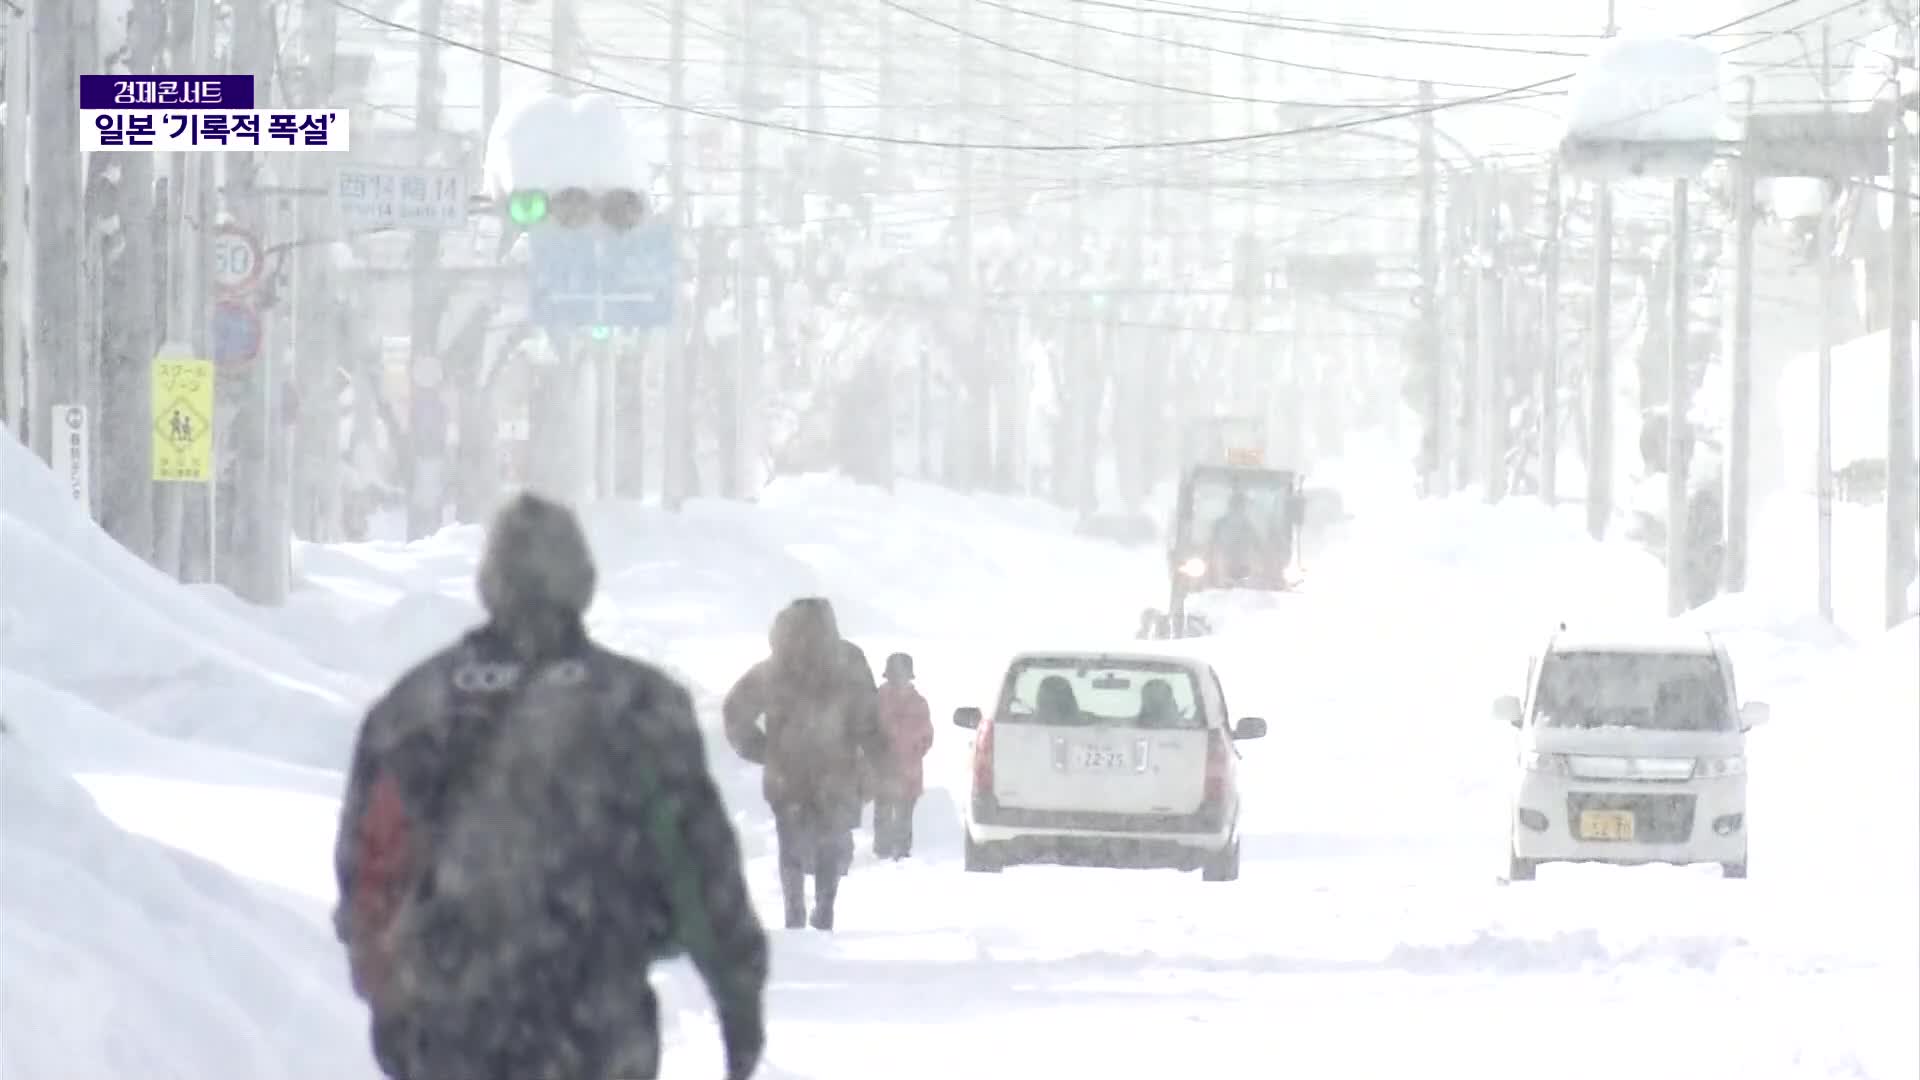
182, 420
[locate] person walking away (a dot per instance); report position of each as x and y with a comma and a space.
807, 714
908, 725
528, 825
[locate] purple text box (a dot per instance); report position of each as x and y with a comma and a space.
166, 92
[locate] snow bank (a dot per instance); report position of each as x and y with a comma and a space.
127, 958
913, 563
79, 612
1516, 561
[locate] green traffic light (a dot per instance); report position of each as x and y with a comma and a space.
601, 333
527, 207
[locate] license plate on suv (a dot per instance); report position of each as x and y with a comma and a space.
1100, 758
1616, 825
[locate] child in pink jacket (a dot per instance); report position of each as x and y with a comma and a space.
908, 726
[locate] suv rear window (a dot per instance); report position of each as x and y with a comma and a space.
1650, 691
1068, 693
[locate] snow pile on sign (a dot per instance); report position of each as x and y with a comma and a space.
79, 612
1651, 89
549, 142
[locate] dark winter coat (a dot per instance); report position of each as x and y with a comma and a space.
908, 724
816, 696
528, 825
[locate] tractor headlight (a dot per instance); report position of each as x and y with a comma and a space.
1194, 567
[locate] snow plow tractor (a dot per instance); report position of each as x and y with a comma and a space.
1236, 527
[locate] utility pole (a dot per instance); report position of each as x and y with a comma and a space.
1901, 482
742, 459
1679, 431
1430, 358
489, 66
1823, 261
1740, 413
476, 452
1257, 378
317, 350
91, 301
676, 447
1600, 378
967, 439
122, 436
1550, 347
1080, 388
254, 546
1491, 410
58, 237
565, 45
426, 428
885, 92
1823, 455
1147, 367
18, 298
816, 96
1017, 373
190, 199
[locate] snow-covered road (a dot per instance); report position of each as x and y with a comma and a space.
1368, 936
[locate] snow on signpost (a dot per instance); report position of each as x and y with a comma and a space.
1645, 106
600, 272
550, 141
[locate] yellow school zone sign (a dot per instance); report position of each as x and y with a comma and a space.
182, 419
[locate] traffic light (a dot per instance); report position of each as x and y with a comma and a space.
527, 208
620, 209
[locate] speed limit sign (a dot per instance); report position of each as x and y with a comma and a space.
236, 259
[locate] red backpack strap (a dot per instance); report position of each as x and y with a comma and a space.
387, 861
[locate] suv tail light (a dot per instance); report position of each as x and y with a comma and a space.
1216, 789
983, 759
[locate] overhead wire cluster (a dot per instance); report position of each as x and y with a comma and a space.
1109, 151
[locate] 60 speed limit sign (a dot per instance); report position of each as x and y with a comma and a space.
236, 259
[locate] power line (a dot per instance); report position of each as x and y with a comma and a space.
796, 129
1221, 16
1380, 28
1101, 73
1216, 50
1499, 96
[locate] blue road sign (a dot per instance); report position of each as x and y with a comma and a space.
235, 328
594, 276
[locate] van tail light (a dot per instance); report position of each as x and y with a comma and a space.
1216, 789
983, 759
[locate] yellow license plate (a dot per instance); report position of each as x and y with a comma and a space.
1606, 825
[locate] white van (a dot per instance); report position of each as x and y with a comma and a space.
1107, 759
1632, 749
